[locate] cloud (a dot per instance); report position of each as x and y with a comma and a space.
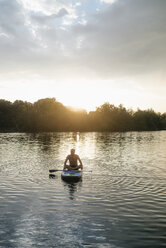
17, 38
127, 38
108, 1
124, 39
41, 18
45, 6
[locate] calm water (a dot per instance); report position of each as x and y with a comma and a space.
121, 204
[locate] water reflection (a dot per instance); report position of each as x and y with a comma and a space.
73, 188
122, 204
53, 176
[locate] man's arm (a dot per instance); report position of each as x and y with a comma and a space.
65, 165
81, 165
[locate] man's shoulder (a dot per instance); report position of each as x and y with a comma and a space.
71, 156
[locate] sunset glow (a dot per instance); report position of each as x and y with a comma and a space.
82, 53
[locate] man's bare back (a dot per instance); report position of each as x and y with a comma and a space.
73, 160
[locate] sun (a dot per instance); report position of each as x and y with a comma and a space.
80, 95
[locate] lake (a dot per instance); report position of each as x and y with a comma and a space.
121, 204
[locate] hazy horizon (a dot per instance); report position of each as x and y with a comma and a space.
73, 108
84, 53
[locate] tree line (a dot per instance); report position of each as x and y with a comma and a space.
49, 115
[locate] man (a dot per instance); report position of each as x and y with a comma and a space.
73, 160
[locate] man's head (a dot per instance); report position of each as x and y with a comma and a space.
72, 151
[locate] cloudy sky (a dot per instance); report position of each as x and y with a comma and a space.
84, 53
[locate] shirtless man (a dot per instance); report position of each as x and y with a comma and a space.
73, 160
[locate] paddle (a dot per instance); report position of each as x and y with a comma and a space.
51, 171
54, 170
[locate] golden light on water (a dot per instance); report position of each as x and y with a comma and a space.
77, 142
77, 137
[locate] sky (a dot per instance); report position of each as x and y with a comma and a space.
84, 53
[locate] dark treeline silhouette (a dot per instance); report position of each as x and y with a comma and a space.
50, 115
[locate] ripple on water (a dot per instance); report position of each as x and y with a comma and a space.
122, 204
